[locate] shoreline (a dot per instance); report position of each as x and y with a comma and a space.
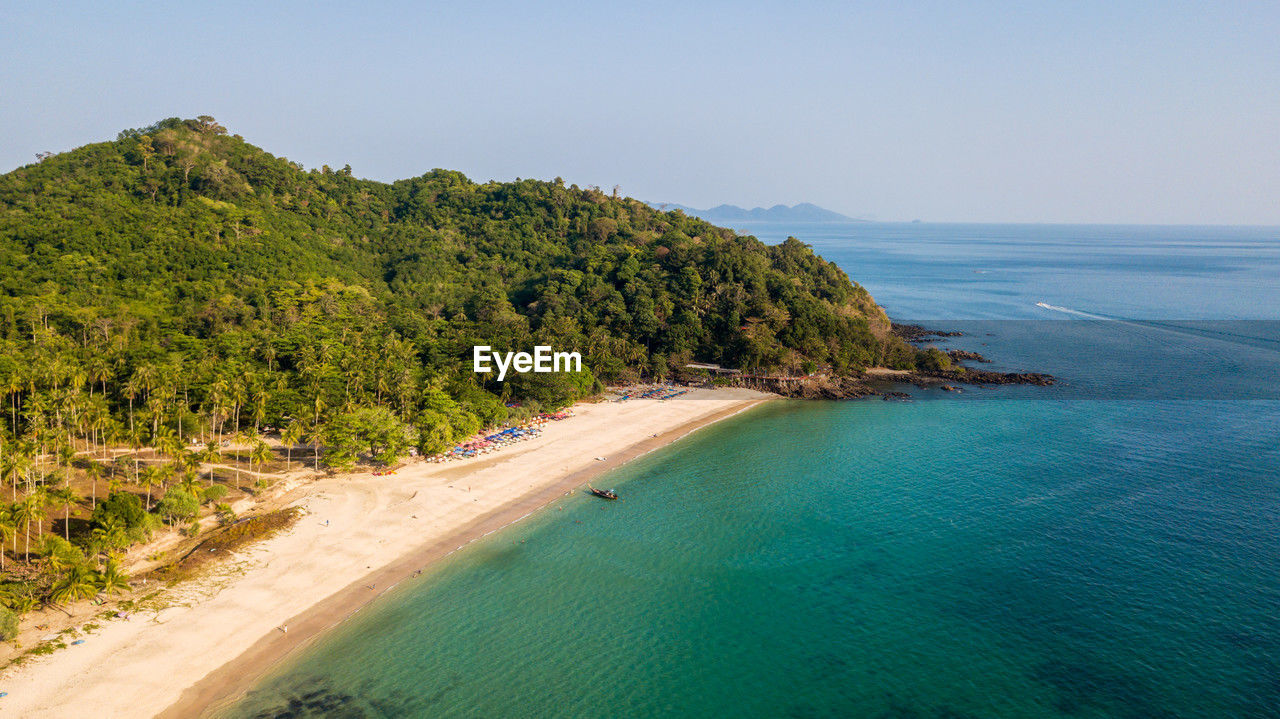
226, 666
227, 684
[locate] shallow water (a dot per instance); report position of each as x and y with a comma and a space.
1094, 551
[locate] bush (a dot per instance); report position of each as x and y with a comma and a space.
8, 624
225, 513
178, 504
377, 429
119, 509
932, 360
555, 390
435, 434
213, 493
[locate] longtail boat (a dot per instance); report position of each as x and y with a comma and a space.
603, 493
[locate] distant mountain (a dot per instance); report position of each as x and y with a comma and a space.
725, 214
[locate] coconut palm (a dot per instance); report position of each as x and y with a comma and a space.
95, 470
67, 497
289, 436
40, 496
235, 456
315, 437
151, 477
167, 442
135, 437
239, 394
211, 455
8, 528
190, 482
59, 555
111, 580
75, 583
24, 513
12, 385
260, 454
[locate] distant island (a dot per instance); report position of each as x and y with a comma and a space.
724, 214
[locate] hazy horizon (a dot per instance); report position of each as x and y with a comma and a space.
1096, 113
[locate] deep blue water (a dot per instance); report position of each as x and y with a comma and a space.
1108, 548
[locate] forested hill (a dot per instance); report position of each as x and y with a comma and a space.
179, 263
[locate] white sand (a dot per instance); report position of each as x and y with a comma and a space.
225, 629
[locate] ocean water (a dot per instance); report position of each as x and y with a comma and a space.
1107, 548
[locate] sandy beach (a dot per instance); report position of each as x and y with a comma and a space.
360, 536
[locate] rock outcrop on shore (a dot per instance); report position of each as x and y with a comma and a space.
966, 356
915, 333
858, 387
881, 385
978, 376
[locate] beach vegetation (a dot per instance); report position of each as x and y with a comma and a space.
178, 505
212, 493
178, 306
8, 624
932, 359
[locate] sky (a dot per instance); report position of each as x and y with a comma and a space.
1107, 112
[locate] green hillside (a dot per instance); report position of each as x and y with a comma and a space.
183, 254
170, 299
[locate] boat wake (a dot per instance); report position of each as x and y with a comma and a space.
1218, 339
1070, 311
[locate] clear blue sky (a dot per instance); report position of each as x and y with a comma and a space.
967, 111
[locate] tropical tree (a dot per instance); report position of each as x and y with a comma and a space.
111, 580
315, 435
77, 582
95, 470
40, 501
259, 454
152, 476
8, 530
136, 442
289, 436
211, 455
67, 497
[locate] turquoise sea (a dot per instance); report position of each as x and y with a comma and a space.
1106, 548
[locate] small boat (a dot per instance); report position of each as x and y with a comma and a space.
603, 493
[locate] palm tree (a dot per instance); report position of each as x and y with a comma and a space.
111, 580
8, 528
217, 404
211, 456
260, 453
259, 410
66, 453
135, 438
189, 482
238, 439
67, 497
95, 470
42, 501
99, 370
131, 389
289, 436
315, 437
23, 513
239, 395
168, 443
12, 385
75, 583
150, 478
